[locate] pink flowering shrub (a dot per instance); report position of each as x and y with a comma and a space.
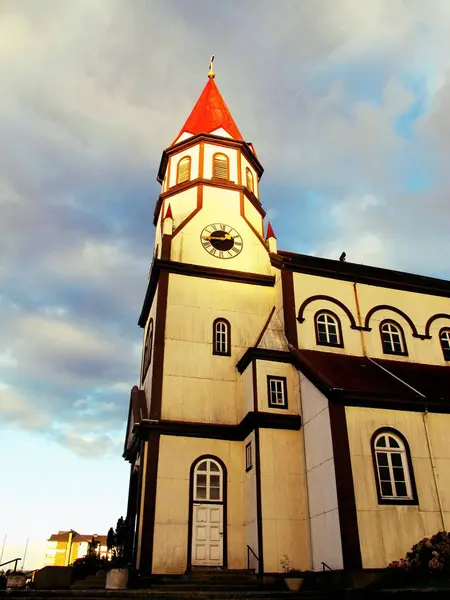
430, 556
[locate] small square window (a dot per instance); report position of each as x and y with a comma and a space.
277, 392
248, 457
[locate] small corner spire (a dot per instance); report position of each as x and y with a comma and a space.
169, 213
270, 233
211, 73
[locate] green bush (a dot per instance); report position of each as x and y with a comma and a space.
430, 556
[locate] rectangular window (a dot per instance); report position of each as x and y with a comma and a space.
277, 392
248, 457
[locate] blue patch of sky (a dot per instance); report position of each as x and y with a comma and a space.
298, 222
417, 171
404, 124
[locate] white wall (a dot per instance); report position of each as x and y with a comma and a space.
321, 478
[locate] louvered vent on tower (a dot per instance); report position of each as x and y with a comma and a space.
220, 166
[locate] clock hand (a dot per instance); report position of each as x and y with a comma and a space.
227, 236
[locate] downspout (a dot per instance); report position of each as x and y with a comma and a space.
358, 313
427, 435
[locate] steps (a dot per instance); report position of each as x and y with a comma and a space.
91, 582
159, 594
203, 580
199, 584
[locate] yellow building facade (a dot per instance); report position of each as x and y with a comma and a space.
287, 404
65, 547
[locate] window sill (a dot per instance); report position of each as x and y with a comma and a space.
398, 501
329, 345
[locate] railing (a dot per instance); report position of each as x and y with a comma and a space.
250, 551
325, 566
14, 560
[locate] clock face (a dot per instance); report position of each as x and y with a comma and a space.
221, 240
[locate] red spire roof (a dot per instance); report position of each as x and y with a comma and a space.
210, 113
270, 233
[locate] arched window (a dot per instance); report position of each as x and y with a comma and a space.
184, 169
393, 468
444, 336
392, 338
249, 177
221, 337
208, 481
147, 350
328, 329
220, 166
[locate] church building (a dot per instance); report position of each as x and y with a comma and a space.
287, 404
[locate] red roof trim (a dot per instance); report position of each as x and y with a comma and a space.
357, 377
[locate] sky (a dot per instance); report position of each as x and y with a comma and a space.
348, 105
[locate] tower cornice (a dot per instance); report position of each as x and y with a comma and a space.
170, 266
224, 184
217, 140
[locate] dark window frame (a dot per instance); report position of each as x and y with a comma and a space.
445, 351
414, 501
216, 352
271, 404
248, 457
387, 350
340, 343
148, 349
215, 155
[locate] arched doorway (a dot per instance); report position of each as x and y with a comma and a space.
208, 513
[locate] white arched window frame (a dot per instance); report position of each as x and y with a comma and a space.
208, 481
184, 169
328, 329
392, 338
444, 337
392, 467
221, 337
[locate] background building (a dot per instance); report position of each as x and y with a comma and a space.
64, 547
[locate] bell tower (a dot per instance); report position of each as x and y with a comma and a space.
211, 297
209, 211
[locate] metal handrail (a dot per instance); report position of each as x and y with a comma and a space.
325, 566
248, 557
14, 560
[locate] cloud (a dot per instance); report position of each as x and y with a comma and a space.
21, 411
347, 103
